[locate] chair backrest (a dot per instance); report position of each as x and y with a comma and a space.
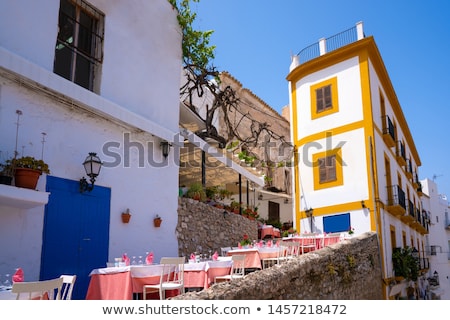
67, 287
46, 289
238, 266
172, 270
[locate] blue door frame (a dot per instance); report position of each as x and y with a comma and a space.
76, 232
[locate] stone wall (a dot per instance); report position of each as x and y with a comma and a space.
202, 227
349, 270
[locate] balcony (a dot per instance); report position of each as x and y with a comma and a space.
421, 222
388, 132
415, 181
424, 264
396, 203
400, 153
409, 216
408, 169
419, 189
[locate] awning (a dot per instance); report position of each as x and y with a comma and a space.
220, 169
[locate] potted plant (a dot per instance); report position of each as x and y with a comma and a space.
405, 265
196, 192
6, 172
157, 221
27, 171
235, 207
126, 216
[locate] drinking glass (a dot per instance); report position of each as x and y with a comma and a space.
7, 282
140, 262
133, 261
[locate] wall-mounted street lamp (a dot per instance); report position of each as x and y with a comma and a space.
165, 148
310, 214
92, 166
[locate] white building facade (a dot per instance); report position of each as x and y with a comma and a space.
437, 249
356, 165
77, 77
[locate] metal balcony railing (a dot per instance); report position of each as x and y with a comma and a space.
309, 53
410, 209
424, 263
388, 127
332, 43
341, 39
400, 152
396, 196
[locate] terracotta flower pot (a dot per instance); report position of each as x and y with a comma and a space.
26, 178
126, 217
157, 222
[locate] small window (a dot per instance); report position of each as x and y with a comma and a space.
327, 169
324, 98
433, 250
79, 44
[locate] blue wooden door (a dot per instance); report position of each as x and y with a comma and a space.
76, 232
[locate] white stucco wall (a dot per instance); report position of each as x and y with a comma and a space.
139, 95
349, 99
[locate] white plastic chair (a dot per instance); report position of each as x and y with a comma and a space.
172, 278
39, 290
67, 287
237, 269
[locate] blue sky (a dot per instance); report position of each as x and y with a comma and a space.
255, 40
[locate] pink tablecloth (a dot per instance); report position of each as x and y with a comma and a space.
120, 283
268, 230
202, 274
110, 286
315, 241
252, 258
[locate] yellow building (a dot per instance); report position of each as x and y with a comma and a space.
356, 161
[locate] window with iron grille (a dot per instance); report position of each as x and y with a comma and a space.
79, 45
327, 169
323, 97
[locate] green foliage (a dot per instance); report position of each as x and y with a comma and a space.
27, 162
196, 191
195, 44
244, 156
405, 265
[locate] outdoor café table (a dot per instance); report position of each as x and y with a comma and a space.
252, 258
110, 284
317, 240
269, 230
268, 252
202, 274
119, 283
145, 274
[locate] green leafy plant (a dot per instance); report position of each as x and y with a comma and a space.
6, 169
29, 163
195, 44
245, 240
196, 191
405, 265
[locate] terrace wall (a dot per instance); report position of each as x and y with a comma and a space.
349, 270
